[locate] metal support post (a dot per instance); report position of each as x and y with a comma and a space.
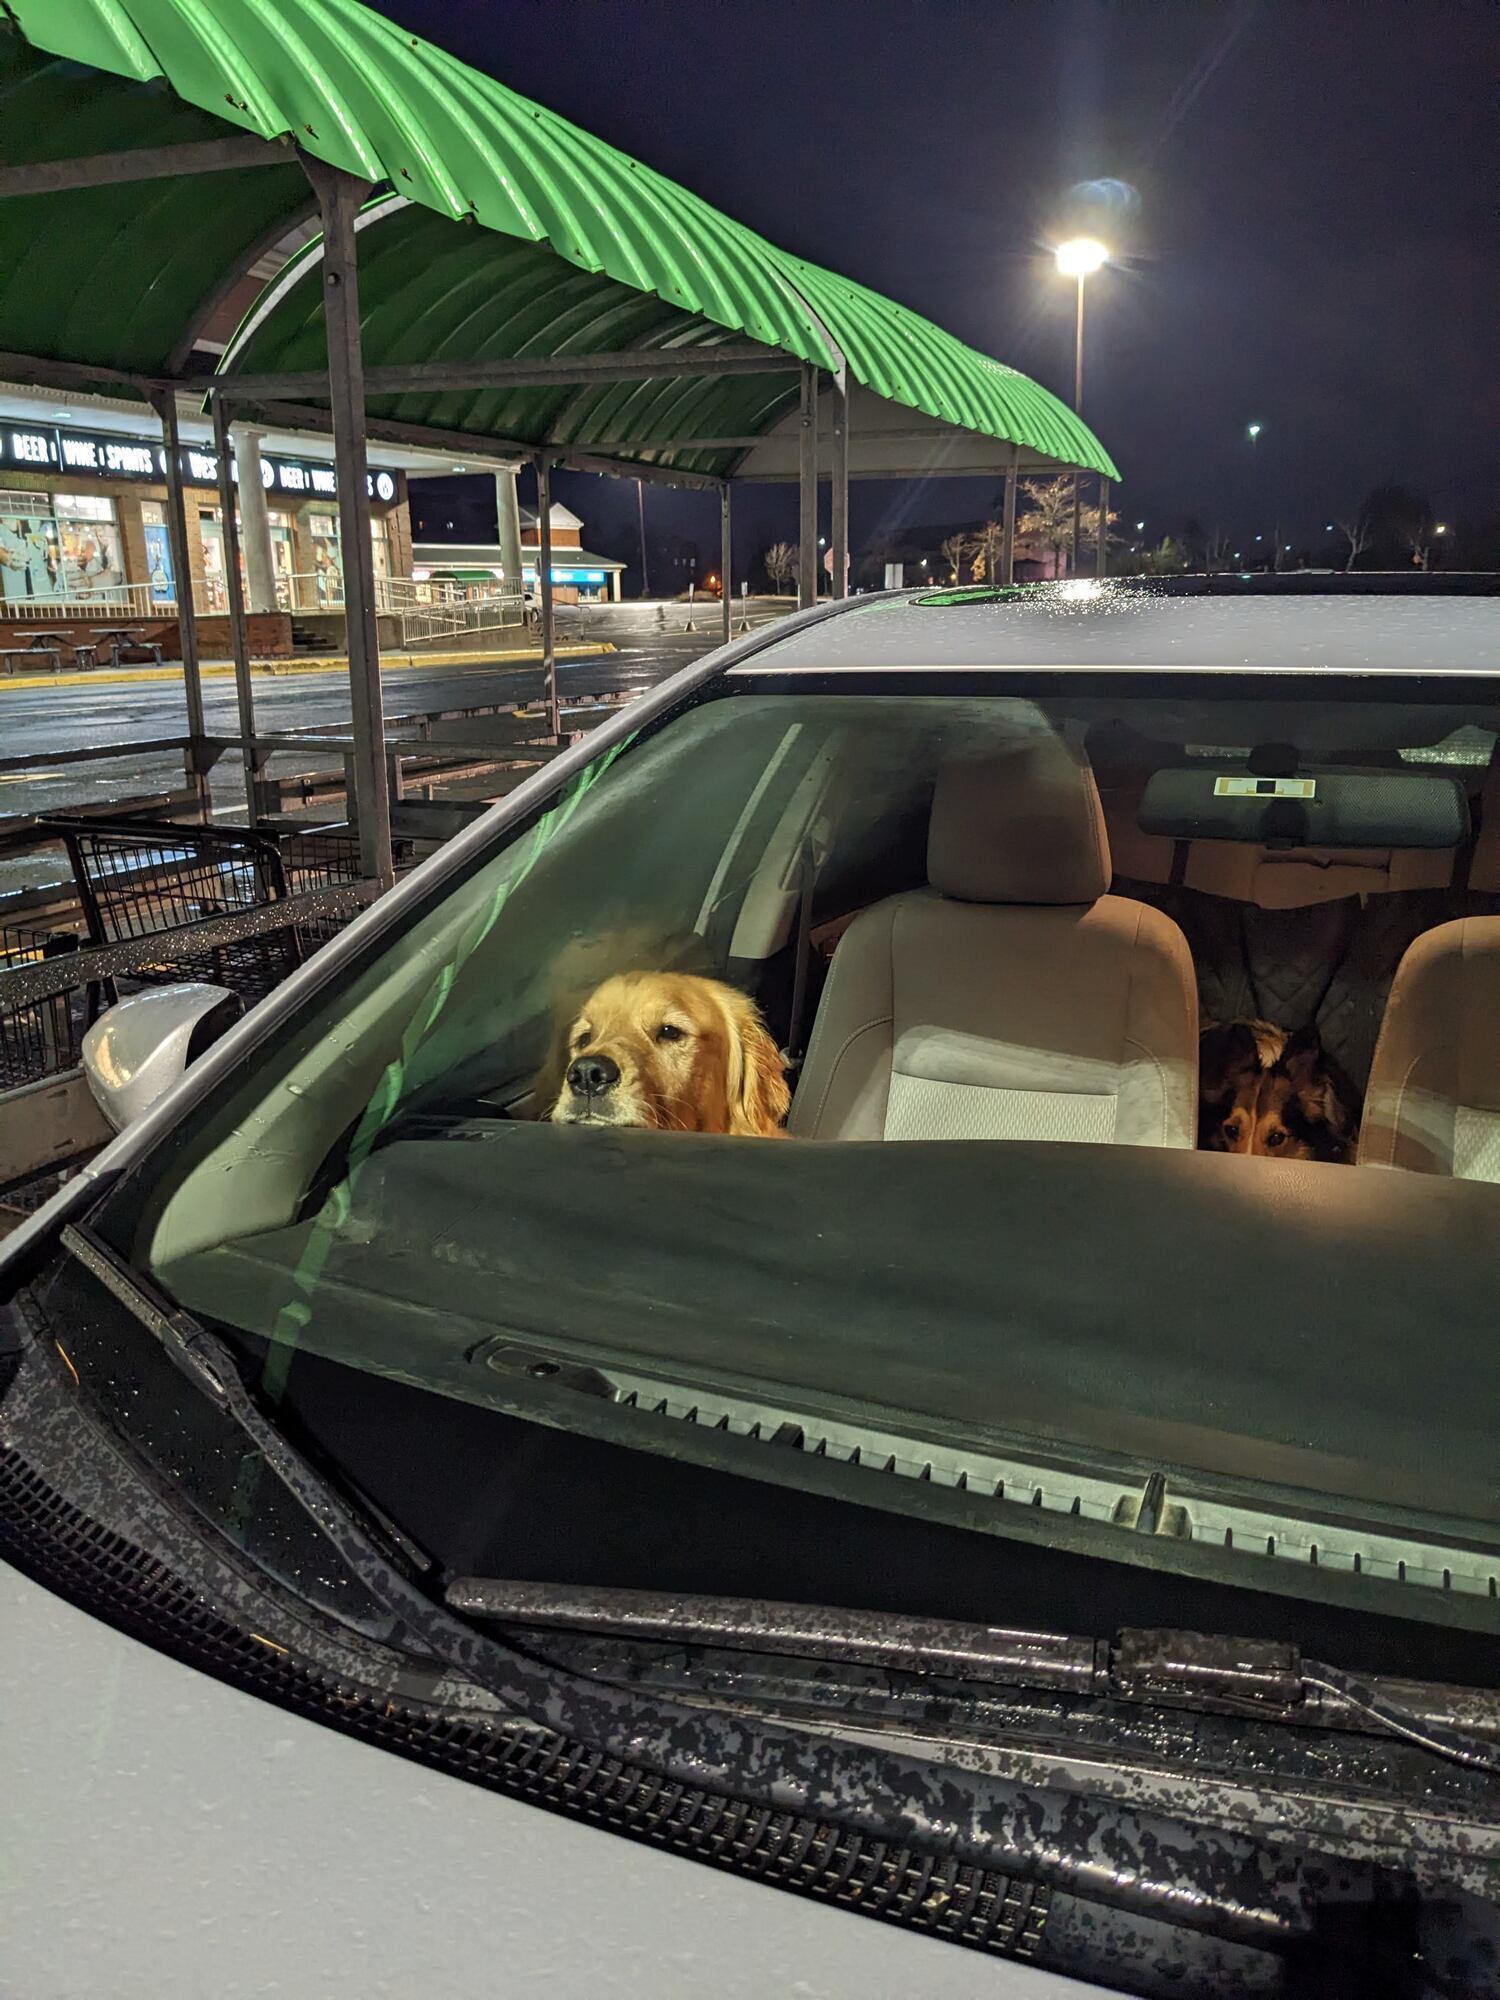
726, 562
807, 465
239, 645
1101, 551
1008, 524
339, 196
544, 588
839, 535
165, 405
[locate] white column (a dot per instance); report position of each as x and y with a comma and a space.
255, 522
508, 523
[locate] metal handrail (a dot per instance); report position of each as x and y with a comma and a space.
471, 606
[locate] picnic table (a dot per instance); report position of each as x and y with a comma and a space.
43, 642
118, 639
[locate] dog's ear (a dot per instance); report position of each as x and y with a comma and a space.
1302, 1057
1318, 1097
1226, 1056
759, 1097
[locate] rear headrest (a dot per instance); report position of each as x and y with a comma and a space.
1019, 825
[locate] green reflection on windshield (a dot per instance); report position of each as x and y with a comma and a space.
292, 1318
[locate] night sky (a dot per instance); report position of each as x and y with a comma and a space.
1305, 193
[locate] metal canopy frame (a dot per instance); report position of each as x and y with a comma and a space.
333, 399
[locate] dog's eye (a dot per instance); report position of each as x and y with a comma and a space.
1231, 1129
669, 1032
1275, 1139
581, 1040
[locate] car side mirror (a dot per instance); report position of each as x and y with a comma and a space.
138, 1048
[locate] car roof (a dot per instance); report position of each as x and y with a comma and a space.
1297, 624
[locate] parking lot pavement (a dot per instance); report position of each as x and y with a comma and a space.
34, 721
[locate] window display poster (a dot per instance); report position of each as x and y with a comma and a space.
90, 558
30, 559
159, 562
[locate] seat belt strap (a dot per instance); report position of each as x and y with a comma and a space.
796, 1024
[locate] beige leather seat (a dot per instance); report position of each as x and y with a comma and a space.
1012, 998
1433, 1104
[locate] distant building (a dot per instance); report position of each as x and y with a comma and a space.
578, 576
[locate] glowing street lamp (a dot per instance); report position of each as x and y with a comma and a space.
1253, 431
1081, 257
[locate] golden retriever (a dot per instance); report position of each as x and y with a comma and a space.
672, 1052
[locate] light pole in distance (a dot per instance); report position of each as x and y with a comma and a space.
1080, 257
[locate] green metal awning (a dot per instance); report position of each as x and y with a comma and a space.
507, 233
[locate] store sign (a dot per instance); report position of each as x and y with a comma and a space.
101, 455
28, 450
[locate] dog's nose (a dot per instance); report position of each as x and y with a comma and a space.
591, 1076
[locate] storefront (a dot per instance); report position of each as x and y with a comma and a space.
578, 577
83, 525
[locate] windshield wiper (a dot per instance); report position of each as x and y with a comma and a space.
1202, 1878
1179, 1669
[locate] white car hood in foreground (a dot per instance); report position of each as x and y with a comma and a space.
166, 1837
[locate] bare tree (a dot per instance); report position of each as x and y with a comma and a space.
1356, 532
1416, 533
1217, 552
781, 563
985, 567
956, 551
1049, 516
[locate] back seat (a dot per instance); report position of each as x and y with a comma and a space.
1305, 936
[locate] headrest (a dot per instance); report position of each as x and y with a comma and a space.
1022, 824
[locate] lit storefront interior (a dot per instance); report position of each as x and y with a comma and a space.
86, 548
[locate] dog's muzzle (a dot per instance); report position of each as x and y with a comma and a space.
590, 1080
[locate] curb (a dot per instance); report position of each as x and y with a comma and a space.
316, 664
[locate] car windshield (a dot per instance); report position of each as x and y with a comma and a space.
1052, 1109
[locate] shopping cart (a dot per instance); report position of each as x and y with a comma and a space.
40, 1037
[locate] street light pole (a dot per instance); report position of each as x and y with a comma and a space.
1252, 431
1078, 407
1079, 259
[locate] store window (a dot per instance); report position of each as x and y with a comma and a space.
89, 537
30, 554
215, 584
380, 546
59, 548
328, 569
283, 563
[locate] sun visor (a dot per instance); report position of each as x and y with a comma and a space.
1375, 809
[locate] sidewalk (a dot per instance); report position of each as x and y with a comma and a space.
302, 663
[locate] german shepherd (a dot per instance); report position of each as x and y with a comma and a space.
1262, 1090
